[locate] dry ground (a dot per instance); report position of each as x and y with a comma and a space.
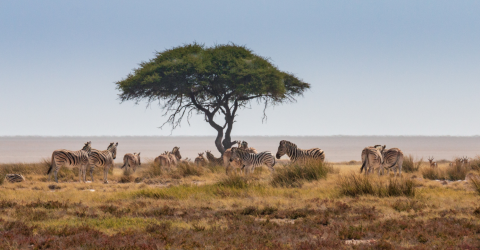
202, 209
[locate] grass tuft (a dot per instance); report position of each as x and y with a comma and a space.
357, 185
409, 164
295, 175
185, 169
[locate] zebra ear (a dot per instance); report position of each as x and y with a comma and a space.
138, 153
116, 144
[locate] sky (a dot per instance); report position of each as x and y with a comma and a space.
375, 67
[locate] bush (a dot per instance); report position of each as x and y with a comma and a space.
457, 172
356, 185
189, 169
295, 174
409, 165
475, 182
433, 173
152, 170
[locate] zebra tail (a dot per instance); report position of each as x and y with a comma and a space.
363, 164
395, 163
51, 166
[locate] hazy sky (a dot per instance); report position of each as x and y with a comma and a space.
376, 67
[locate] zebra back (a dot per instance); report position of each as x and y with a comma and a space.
392, 156
295, 153
64, 157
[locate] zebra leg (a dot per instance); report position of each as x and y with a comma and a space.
91, 171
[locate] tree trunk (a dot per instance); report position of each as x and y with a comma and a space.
218, 141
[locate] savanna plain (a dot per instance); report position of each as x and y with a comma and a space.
300, 206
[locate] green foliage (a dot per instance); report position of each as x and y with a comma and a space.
194, 68
295, 174
237, 181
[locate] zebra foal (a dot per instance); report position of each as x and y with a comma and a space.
251, 160
297, 154
103, 159
131, 160
63, 157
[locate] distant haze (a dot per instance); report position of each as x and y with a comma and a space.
337, 148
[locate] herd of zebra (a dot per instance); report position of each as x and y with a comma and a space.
241, 157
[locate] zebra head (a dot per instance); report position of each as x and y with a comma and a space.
244, 145
209, 155
138, 158
237, 154
113, 149
200, 154
87, 147
176, 152
282, 148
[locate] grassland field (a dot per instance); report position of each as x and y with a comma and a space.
314, 206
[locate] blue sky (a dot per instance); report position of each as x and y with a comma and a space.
376, 67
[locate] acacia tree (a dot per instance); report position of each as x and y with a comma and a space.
212, 81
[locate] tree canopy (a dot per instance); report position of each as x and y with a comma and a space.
212, 81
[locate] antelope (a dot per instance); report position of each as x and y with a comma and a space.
433, 164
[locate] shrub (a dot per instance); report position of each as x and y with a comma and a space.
433, 173
188, 169
475, 183
152, 170
409, 165
295, 174
457, 172
215, 168
355, 185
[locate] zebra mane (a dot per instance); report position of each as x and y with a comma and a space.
290, 144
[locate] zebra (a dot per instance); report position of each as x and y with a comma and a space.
200, 160
244, 145
103, 158
393, 157
14, 178
213, 160
236, 164
175, 156
132, 160
371, 157
63, 157
163, 160
251, 160
296, 153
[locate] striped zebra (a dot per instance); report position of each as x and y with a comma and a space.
236, 164
14, 178
372, 158
251, 160
213, 160
296, 153
63, 157
103, 159
131, 160
393, 158
200, 160
163, 160
175, 156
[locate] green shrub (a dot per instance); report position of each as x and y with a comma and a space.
356, 185
296, 174
409, 165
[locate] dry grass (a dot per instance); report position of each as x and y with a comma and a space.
409, 164
189, 208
